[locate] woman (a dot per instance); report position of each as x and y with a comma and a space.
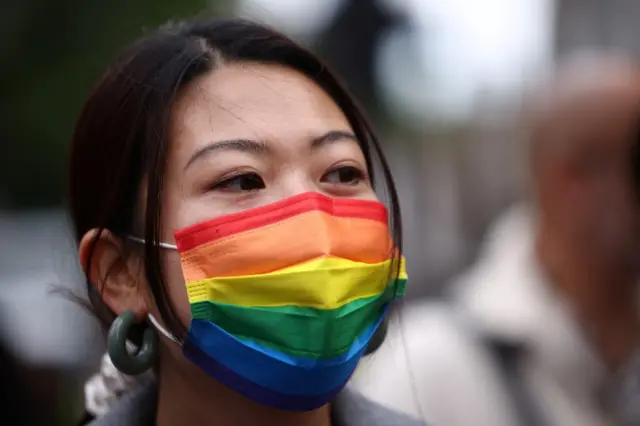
222, 159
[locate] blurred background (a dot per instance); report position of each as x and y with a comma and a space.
443, 81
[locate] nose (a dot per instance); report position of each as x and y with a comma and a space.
295, 181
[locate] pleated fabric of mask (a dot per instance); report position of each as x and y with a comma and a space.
285, 298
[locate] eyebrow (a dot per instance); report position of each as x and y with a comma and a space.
332, 136
261, 147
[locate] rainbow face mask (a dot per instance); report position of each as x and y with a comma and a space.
285, 298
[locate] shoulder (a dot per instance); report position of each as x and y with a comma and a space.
429, 366
353, 409
429, 339
134, 409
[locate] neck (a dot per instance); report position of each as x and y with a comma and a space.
188, 396
603, 297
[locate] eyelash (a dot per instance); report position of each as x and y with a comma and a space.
358, 174
253, 179
225, 185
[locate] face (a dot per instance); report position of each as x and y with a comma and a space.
602, 209
248, 135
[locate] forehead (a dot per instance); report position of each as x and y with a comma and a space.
604, 118
254, 101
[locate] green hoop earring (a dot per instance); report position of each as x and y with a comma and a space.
131, 364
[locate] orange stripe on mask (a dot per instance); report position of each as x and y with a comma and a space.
297, 239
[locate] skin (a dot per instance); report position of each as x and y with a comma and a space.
298, 140
589, 236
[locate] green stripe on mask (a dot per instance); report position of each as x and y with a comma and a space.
299, 331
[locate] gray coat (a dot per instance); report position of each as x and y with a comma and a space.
349, 409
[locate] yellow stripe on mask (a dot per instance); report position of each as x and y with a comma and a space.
324, 283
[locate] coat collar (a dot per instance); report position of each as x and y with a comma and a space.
508, 296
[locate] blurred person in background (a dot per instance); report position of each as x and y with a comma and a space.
544, 329
223, 200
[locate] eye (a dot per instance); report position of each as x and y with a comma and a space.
344, 175
242, 182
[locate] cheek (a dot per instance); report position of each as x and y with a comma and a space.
176, 289
369, 194
612, 226
617, 208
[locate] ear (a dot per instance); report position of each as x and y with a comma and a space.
119, 279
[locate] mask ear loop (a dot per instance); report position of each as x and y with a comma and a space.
160, 244
162, 330
155, 322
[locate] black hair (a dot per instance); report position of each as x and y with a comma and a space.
121, 137
635, 162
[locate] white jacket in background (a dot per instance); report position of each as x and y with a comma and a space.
432, 365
